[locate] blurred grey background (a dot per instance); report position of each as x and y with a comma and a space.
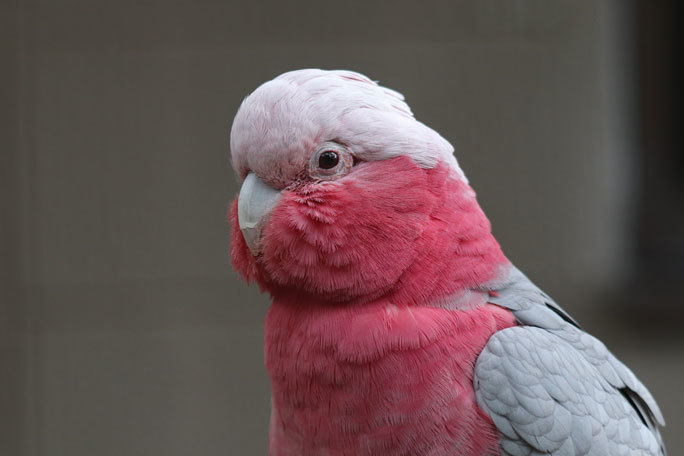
123, 329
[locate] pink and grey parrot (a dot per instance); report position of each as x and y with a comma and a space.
397, 325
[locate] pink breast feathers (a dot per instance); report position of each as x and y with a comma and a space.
378, 380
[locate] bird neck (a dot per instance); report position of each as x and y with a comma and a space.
457, 250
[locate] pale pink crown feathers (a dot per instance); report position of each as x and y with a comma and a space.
280, 124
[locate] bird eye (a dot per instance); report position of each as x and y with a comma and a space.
328, 159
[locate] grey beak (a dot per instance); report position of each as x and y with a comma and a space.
255, 202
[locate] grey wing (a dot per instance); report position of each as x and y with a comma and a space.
551, 388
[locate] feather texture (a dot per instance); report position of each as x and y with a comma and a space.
279, 125
551, 388
398, 327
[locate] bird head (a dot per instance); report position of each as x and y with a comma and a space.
344, 191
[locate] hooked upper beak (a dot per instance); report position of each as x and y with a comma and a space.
255, 202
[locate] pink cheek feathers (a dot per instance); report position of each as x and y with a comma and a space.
388, 228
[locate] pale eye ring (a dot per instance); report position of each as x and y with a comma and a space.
331, 159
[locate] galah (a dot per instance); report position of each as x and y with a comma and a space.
397, 325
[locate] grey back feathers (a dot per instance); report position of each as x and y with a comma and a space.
553, 389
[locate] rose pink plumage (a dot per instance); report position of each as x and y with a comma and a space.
379, 275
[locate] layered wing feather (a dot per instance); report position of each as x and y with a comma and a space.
553, 389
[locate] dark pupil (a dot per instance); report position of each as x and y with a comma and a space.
328, 159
